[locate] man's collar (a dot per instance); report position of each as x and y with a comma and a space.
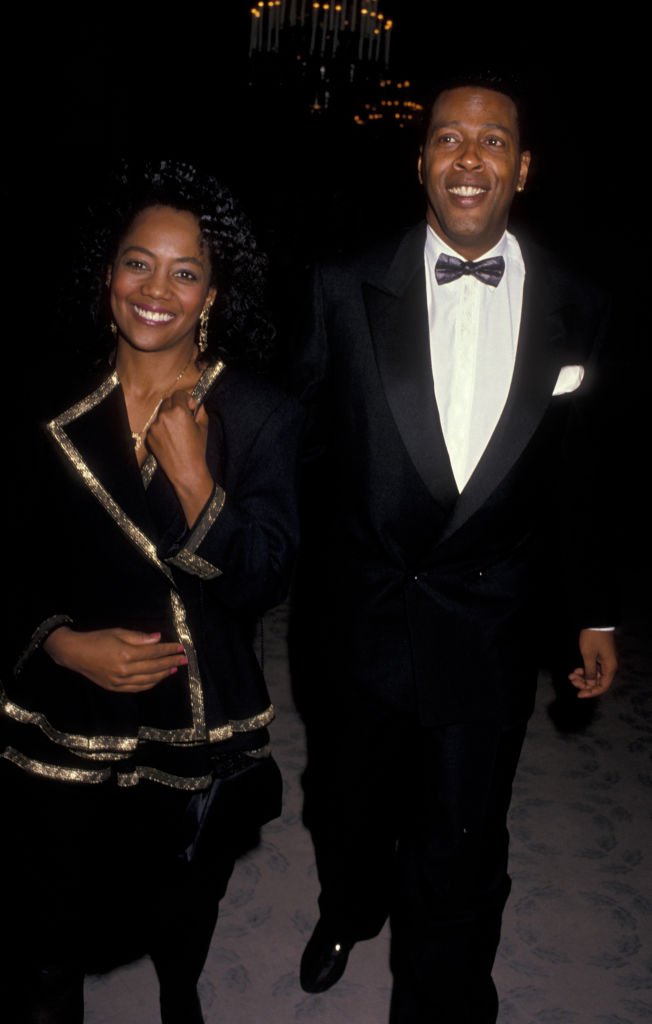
435, 246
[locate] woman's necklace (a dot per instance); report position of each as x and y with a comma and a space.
138, 436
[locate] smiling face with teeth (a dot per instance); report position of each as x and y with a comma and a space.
471, 166
160, 280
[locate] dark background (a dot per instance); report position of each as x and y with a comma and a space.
82, 92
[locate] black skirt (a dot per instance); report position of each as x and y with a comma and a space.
95, 874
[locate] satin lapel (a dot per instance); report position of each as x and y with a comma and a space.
536, 367
94, 435
398, 320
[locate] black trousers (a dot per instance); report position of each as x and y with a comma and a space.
410, 822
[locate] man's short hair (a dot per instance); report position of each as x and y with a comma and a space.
504, 82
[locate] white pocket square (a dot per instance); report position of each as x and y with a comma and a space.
569, 379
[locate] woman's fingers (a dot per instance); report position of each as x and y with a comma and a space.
139, 683
121, 660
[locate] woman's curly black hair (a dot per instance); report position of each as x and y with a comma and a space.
238, 327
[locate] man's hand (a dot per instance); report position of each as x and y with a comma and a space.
598, 650
119, 660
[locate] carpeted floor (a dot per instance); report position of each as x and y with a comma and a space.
576, 945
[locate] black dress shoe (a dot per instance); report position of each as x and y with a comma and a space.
324, 959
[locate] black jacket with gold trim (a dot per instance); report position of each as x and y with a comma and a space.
105, 544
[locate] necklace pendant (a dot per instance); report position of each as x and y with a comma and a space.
138, 436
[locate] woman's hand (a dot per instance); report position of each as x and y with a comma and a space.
177, 439
119, 660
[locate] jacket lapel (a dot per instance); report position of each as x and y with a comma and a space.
397, 310
398, 317
94, 436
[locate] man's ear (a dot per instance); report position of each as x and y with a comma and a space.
526, 156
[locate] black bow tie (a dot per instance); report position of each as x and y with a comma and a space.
449, 268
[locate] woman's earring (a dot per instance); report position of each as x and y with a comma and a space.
113, 325
202, 340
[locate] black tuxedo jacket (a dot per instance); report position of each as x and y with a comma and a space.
423, 596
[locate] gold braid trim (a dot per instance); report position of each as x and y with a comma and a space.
255, 722
93, 777
128, 527
40, 634
103, 747
201, 528
147, 470
73, 741
194, 564
56, 772
164, 778
206, 381
194, 678
203, 385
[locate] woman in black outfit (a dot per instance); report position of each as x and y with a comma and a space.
158, 523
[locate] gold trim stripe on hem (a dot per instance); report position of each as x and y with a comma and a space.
90, 777
51, 771
85, 745
192, 782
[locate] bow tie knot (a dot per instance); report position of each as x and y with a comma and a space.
450, 268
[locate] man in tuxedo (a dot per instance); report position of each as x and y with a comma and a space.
451, 379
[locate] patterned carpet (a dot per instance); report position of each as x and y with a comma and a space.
576, 945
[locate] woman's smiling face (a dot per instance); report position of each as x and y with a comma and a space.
160, 280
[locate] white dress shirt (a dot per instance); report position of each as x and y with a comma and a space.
473, 339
